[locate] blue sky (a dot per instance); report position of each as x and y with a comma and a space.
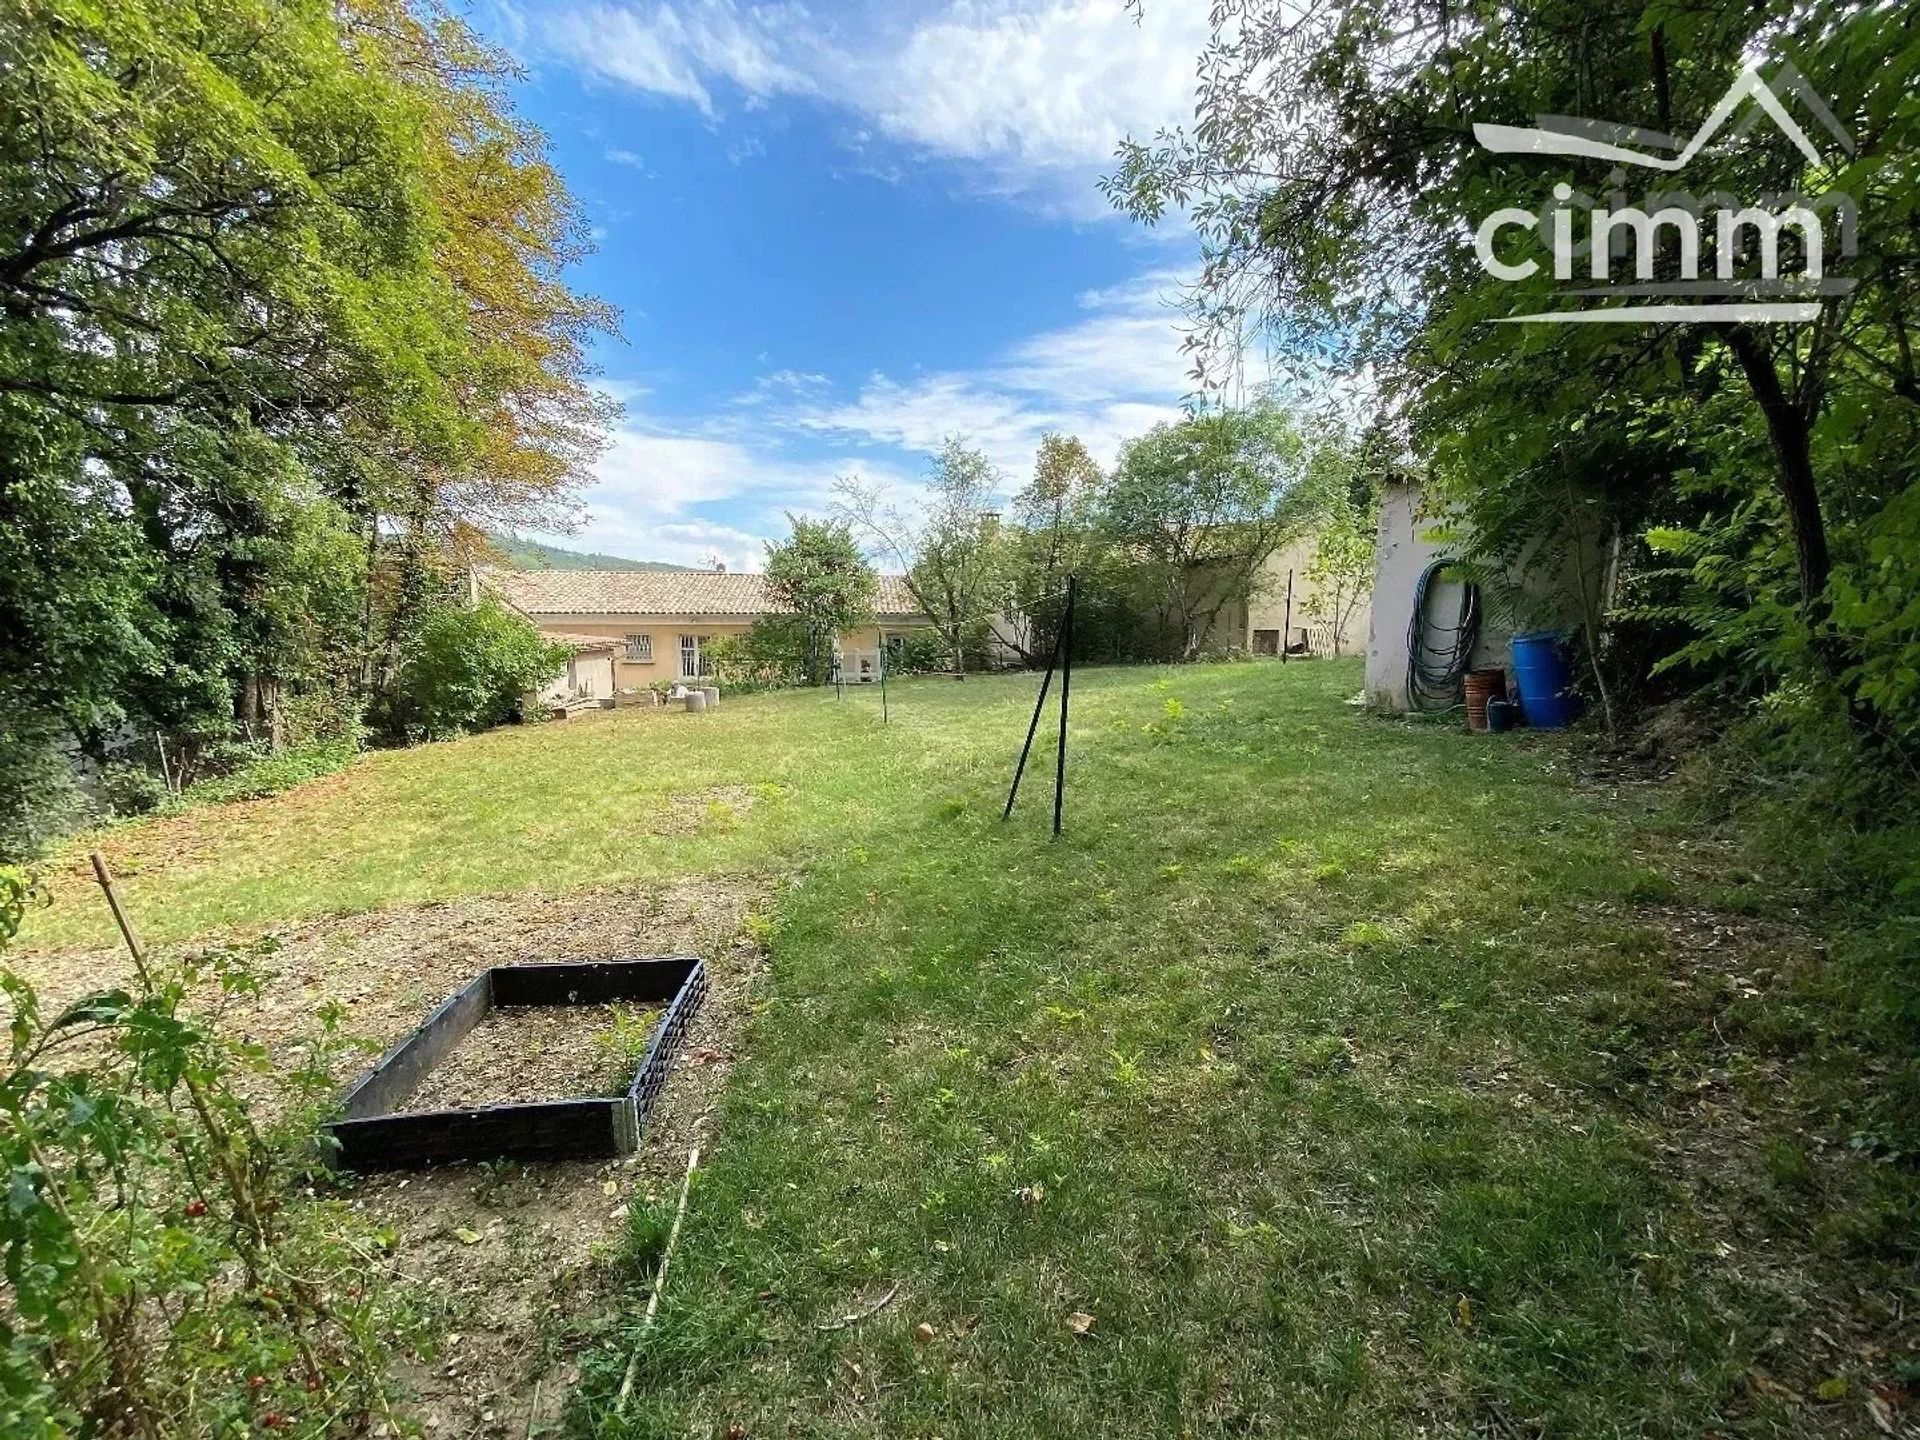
838, 234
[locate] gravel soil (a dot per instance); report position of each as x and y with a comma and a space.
522, 1053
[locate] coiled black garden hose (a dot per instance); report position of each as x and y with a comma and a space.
1435, 670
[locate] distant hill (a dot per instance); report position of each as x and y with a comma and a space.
532, 555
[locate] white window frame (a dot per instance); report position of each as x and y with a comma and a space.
690, 652
640, 649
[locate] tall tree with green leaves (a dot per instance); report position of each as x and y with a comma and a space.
951, 548
819, 574
278, 279
1198, 507
1056, 534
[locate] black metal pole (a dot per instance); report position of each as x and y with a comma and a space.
1286, 626
1066, 689
1032, 725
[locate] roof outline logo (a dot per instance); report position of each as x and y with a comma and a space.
1570, 136
1672, 234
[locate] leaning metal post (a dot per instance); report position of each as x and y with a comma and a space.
1066, 689
1032, 725
1286, 626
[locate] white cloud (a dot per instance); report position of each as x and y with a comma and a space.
723, 482
631, 160
1052, 85
1034, 94
673, 51
681, 495
1104, 378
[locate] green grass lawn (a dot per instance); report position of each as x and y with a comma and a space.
1356, 1077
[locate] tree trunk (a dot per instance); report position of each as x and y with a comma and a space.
1789, 431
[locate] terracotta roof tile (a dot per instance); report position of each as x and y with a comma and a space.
660, 592
579, 643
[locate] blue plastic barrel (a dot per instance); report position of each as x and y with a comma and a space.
1544, 676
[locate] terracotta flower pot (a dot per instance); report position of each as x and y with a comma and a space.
1482, 686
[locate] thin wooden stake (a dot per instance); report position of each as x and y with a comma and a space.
105, 877
533, 1410
659, 1281
166, 771
1286, 626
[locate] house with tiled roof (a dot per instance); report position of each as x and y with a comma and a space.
659, 622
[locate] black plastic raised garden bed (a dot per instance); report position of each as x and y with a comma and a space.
373, 1133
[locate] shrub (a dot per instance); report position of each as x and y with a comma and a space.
40, 799
770, 656
130, 788
170, 1271
328, 713
265, 772
919, 652
471, 669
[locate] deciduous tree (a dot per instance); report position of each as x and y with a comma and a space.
1056, 534
1335, 184
1198, 507
951, 548
818, 573
278, 280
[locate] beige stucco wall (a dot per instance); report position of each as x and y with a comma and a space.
665, 635
1239, 625
589, 674
1267, 606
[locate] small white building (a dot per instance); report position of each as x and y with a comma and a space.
1551, 596
588, 674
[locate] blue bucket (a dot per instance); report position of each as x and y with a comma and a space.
1544, 675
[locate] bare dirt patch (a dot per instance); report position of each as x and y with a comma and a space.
716, 807
522, 1053
507, 1256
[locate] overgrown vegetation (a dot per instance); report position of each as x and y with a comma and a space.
170, 1269
284, 321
